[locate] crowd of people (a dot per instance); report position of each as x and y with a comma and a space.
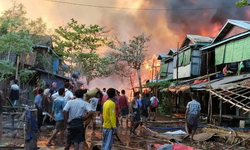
74, 111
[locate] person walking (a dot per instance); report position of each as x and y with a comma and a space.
124, 107
154, 104
78, 111
38, 104
145, 108
192, 115
135, 115
14, 93
57, 112
109, 120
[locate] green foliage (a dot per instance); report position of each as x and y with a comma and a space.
18, 33
94, 66
25, 75
242, 3
78, 44
160, 85
165, 105
7, 68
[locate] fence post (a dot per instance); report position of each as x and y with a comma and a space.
32, 144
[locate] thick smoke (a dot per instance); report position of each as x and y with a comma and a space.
200, 16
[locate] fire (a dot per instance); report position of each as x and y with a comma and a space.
148, 67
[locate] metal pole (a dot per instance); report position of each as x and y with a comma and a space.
177, 62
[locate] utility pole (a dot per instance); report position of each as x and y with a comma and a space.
177, 62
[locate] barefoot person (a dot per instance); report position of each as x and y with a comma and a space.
79, 111
123, 105
109, 120
57, 112
192, 115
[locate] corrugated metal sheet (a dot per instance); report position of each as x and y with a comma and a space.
199, 38
228, 25
196, 63
170, 67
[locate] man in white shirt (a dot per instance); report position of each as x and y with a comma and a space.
79, 111
68, 94
104, 91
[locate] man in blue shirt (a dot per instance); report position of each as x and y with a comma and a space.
38, 104
57, 112
192, 115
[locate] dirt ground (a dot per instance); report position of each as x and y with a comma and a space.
143, 142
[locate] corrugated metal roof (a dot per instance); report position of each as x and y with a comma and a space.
196, 39
199, 38
226, 81
228, 25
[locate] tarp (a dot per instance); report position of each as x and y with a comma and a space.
182, 147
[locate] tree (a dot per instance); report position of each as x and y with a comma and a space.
93, 66
133, 52
18, 34
78, 44
242, 3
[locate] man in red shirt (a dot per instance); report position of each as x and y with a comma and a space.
123, 105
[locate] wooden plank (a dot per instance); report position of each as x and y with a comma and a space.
237, 105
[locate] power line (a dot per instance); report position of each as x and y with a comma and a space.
129, 8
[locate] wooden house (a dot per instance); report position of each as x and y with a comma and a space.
229, 48
187, 61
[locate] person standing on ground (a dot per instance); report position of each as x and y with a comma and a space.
192, 115
109, 120
38, 104
154, 104
79, 111
53, 88
93, 105
104, 91
68, 94
57, 112
124, 107
145, 108
135, 115
46, 99
14, 93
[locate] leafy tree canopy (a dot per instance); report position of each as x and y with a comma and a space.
242, 3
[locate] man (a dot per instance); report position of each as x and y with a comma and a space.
38, 104
46, 99
109, 120
14, 93
93, 105
68, 94
145, 108
192, 115
104, 91
53, 88
135, 115
57, 112
79, 111
124, 107
154, 104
